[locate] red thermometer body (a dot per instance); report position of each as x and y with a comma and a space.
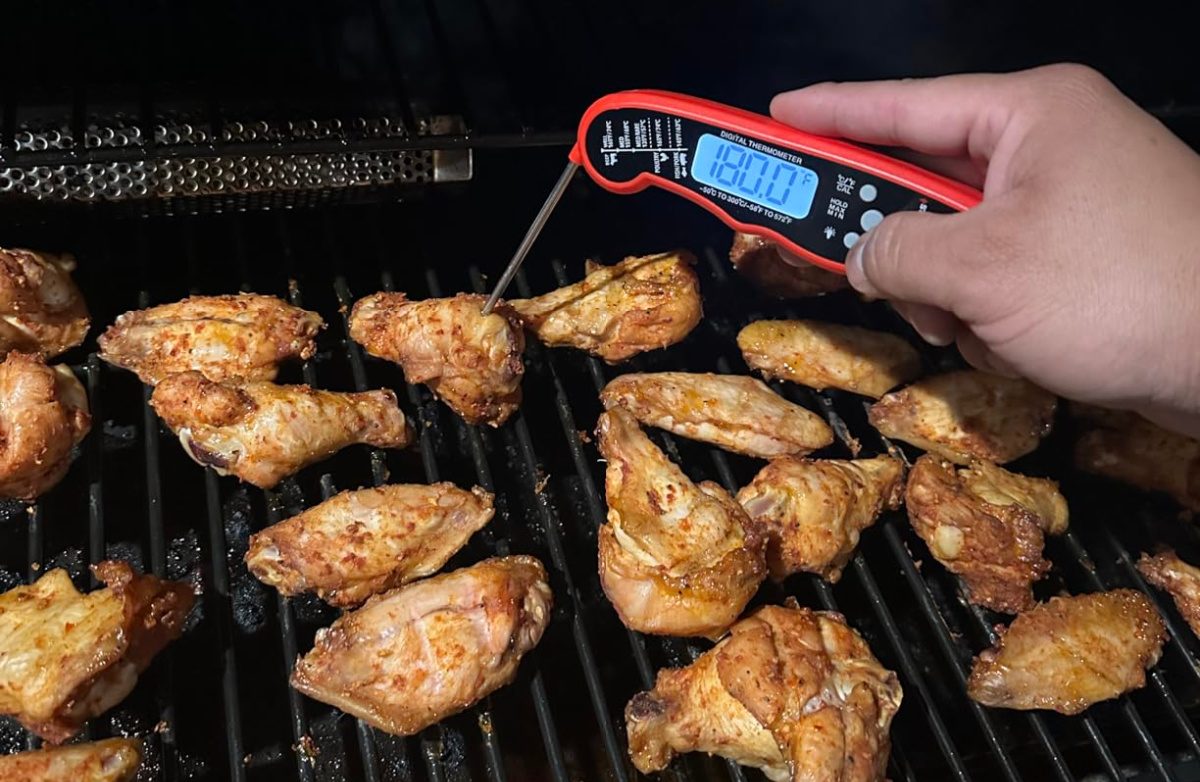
812, 195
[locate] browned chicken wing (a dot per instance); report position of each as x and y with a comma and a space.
239, 337
967, 415
66, 657
418, 654
1180, 580
618, 311
760, 262
472, 362
738, 413
263, 433
826, 355
41, 310
675, 558
1070, 652
812, 511
986, 525
360, 543
110, 760
43, 415
793, 692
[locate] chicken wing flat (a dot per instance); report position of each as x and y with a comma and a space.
472, 362
812, 511
110, 760
986, 525
618, 311
43, 415
827, 355
675, 558
239, 337
66, 657
1070, 652
418, 654
967, 415
1180, 580
41, 309
738, 413
793, 692
263, 433
761, 263
360, 543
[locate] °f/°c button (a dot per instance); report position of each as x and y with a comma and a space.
867, 193
870, 219
849, 238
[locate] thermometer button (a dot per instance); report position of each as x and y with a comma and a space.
849, 239
867, 193
870, 219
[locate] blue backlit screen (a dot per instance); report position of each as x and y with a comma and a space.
763, 179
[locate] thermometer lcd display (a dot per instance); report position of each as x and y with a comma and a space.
766, 180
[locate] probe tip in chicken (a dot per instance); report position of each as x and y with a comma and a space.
1180, 580
761, 263
110, 760
41, 309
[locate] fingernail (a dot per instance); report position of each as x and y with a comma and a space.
937, 340
854, 269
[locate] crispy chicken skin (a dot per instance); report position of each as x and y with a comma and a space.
827, 355
41, 309
43, 415
360, 543
738, 413
263, 433
472, 362
760, 262
418, 654
967, 415
238, 337
110, 760
986, 525
1181, 580
618, 311
675, 558
66, 657
1070, 652
793, 692
812, 511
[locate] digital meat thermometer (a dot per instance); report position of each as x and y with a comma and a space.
811, 195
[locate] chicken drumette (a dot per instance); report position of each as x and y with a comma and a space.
110, 760
1180, 580
41, 310
760, 262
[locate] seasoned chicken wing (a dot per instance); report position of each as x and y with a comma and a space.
239, 337
1180, 580
360, 543
986, 525
43, 415
1070, 652
675, 558
41, 309
760, 262
812, 511
472, 362
826, 355
618, 311
738, 413
263, 433
967, 415
110, 760
793, 692
66, 657
418, 654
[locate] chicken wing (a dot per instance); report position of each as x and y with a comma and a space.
41, 309
1181, 580
110, 760
986, 525
812, 511
263, 433
675, 558
360, 543
418, 654
826, 355
43, 415
793, 692
66, 657
738, 413
760, 262
1070, 652
240, 337
472, 362
967, 415
618, 311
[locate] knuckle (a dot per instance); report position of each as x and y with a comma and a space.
1077, 84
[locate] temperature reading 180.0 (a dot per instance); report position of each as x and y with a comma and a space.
763, 179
